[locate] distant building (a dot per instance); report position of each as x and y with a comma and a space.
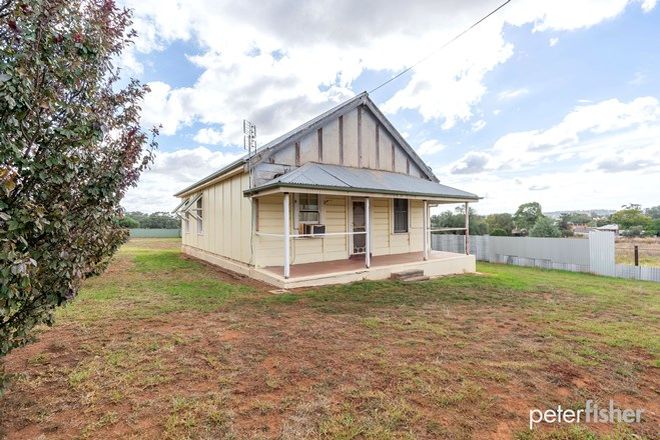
581, 230
611, 227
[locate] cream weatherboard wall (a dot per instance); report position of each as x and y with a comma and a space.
335, 215
227, 224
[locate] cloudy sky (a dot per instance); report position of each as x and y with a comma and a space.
556, 101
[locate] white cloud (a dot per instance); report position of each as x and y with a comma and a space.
620, 163
564, 15
638, 79
209, 136
450, 84
167, 107
506, 95
171, 172
478, 125
278, 63
613, 146
319, 57
558, 190
473, 162
648, 5
430, 147
525, 148
553, 41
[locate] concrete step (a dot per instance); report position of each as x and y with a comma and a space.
407, 274
416, 279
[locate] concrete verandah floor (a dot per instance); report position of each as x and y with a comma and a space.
356, 263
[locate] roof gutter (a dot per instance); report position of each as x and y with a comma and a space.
253, 191
226, 172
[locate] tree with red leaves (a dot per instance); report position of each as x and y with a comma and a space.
70, 147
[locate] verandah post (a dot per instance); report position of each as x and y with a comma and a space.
425, 227
367, 227
467, 229
286, 235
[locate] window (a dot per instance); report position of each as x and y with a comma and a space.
200, 216
400, 215
308, 209
184, 211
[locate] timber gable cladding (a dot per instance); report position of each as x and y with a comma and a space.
355, 139
355, 134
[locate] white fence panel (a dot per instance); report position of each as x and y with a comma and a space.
638, 272
596, 254
602, 252
557, 250
479, 244
450, 243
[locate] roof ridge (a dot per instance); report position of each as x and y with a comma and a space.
322, 167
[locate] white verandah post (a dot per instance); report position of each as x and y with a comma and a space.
425, 227
367, 227
287, 269
467, 229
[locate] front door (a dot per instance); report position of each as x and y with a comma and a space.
359, 240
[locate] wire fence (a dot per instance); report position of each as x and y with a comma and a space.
638, 252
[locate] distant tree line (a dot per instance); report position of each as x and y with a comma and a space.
529, 220
155, 220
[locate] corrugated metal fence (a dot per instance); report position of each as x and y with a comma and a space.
595, 254
155, 233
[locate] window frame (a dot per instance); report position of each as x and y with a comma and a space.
186, 223
297, 210
394, 216
199, 211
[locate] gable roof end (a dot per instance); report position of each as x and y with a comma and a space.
310, 126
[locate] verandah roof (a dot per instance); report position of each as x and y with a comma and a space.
316, 176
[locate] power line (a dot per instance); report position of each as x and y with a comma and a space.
408, 69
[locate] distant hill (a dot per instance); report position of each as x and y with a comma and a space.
596, 212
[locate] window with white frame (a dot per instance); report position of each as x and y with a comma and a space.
308, 209
200, 215
185, 210
400, 215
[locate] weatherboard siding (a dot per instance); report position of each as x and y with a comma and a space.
227, 221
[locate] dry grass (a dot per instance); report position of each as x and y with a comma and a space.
649, 251
165, 347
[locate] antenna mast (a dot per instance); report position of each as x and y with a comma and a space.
249, 137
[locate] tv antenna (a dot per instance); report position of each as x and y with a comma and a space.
249, 136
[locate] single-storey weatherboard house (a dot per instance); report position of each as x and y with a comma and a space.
341, 198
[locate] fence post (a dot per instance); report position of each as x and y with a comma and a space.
636, 255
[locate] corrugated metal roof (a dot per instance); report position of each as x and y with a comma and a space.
341, 178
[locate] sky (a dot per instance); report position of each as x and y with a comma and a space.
555, 101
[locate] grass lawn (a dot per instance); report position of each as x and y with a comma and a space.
165, 347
